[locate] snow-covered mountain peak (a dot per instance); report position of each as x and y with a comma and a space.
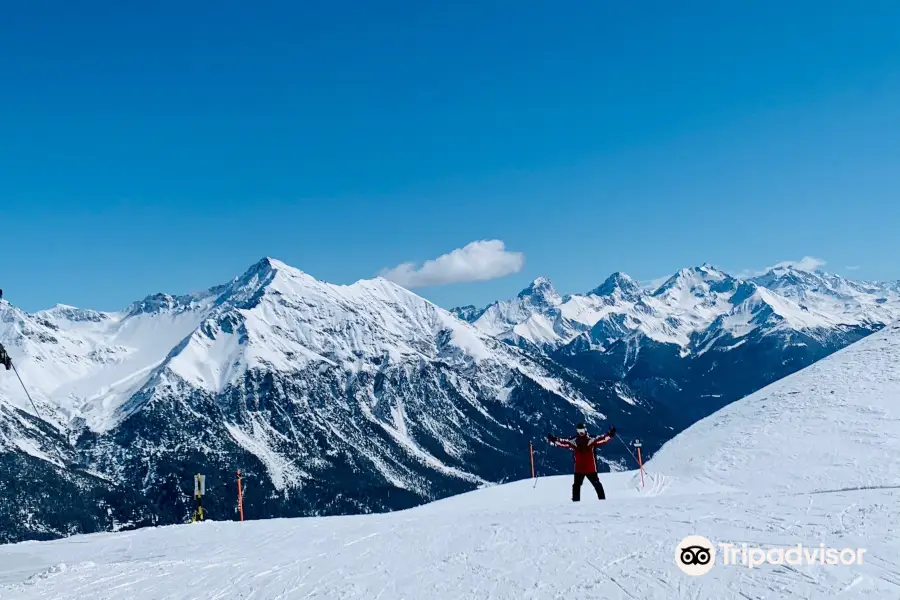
540, 291
501, 319
850, 301
269, 268
744, 291
88, 365
711, 273
278, 317
697, 281
313, 389
467, 313
695, 297
267, 276
151, 304
10, 313
278, 265
74, 314
788, 278
621, 285
272, 318
792, 281
267, 264
759, 310
764, 302
686, 304
162, 303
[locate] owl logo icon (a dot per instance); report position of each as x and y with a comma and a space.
695, 555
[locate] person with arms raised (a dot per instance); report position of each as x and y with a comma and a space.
582, 446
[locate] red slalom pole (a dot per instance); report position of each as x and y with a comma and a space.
240, 496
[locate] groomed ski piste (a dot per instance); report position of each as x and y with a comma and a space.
813, 459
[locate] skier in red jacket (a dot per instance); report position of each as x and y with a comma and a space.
585, 464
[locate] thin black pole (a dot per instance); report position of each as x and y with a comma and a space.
19, 377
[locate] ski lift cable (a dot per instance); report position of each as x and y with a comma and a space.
19, 377
38, 415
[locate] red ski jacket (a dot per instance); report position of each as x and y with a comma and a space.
583, 447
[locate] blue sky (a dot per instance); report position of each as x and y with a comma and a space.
167, 146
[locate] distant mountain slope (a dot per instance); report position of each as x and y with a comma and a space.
702, 338
685, 304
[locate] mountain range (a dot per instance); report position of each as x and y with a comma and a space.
807, 463
688, 303
366, 397
330, 399
701, 339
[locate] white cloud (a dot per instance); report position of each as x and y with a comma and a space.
853, 268
477, 261
653, 284
807, 263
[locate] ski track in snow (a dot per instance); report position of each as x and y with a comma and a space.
508, 542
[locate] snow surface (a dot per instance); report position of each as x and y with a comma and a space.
836, 422
509, 542
812, 459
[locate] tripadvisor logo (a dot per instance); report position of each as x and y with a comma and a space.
696, 555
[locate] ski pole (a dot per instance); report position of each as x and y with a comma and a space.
37, 412
540, 463
636, 459
627, 448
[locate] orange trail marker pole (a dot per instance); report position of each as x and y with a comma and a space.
240, 496
531, 451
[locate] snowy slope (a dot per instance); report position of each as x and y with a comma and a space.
758, 308
811, 460
516, 544
85, 364
836, 422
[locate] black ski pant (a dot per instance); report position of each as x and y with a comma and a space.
595, 481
